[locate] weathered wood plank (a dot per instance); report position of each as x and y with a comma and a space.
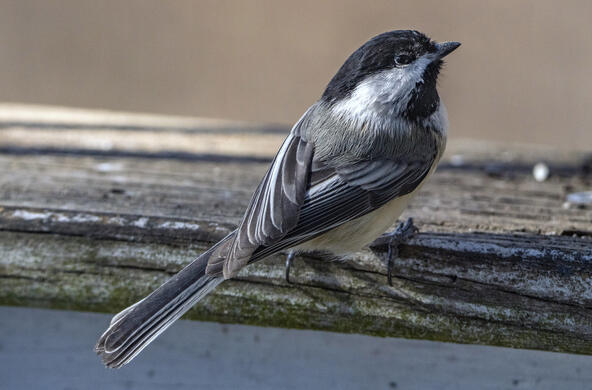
444, 287
455, 199
501, 258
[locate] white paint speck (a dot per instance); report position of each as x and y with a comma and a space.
141, 222
540, 171
116, 221
108, 167
457, 160
179, 225
59, 217
85, 218
580, 197
29, 216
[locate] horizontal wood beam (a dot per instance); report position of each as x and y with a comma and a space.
500, 259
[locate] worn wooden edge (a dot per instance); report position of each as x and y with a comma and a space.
59, 117
523, 291
42, 129
457, 199
499, 288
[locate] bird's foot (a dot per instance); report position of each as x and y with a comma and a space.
289, 259
402, 233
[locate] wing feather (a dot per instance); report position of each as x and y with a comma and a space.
301, 197
275, 207
348, 194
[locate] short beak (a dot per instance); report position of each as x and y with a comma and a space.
445, 48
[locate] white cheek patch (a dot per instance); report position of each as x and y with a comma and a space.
385, 93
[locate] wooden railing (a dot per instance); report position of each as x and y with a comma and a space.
97, 209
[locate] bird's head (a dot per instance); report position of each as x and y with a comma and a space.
394, 72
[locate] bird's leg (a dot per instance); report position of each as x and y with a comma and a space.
402, 233
289, 259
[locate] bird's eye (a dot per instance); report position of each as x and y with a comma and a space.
403, 59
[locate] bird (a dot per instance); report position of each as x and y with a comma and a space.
341, 178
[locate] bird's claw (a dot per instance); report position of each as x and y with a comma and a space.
402, 233
289, 259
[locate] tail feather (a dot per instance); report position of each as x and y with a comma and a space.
135, 327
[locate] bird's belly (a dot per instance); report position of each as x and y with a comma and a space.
355, 234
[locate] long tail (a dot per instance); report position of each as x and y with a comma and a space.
135, 327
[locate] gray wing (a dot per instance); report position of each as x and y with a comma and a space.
346, 193
274, 208
300, 198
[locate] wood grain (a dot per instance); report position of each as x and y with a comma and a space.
500, 259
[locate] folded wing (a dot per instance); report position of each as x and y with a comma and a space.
302, 197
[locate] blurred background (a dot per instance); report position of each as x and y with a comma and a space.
522, 73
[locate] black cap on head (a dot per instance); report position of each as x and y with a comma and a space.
384, 51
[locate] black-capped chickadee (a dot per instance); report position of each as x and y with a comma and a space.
341, 178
